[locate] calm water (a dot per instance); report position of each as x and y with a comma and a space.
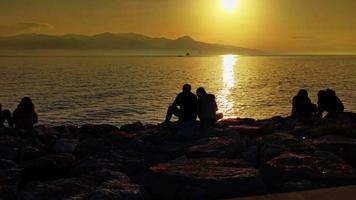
119, 90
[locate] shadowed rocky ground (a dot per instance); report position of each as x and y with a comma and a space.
237, 158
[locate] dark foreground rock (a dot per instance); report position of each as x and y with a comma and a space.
236, 157
207, 178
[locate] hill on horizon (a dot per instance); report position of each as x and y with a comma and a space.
111, 41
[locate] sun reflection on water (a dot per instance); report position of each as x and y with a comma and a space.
224, 99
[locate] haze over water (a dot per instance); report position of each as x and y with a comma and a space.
120, 90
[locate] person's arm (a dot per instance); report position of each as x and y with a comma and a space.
177, 100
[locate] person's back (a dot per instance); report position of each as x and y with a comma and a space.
302, 106
207, 106
187, 103
335, 105
184, 106
25, 116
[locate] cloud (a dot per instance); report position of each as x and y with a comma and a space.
303, 37
22, 27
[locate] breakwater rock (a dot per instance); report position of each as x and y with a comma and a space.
236, 157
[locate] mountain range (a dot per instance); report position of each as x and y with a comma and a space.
111, 41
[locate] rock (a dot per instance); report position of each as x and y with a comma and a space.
67, 131
29, 153
7, 164
64, 145
115, 185
46, 168
222, 147
126, 161
270, 151
208, 178
278, 138
322, 168
189, 130
9, 183
300, 185
98, 184
224, 123
248, 131
47, 135
343, 146
55, 189
137, 126
94, 131
89, 147
9, 147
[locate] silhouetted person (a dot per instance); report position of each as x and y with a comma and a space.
184, 106
2, 117
302, 108
5, 115
25, 115
207, 107
329, 102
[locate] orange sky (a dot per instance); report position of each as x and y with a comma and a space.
288, 26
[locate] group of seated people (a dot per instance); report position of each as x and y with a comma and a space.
188, 106
328, 101
24, 116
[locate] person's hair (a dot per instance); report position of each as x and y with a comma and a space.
303, 93
331, 92
322, 96
187, 88
201, 92
26, 105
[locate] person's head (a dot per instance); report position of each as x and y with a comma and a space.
322, 95
201, 92
26, 104
303, 93
187, 88
331, 92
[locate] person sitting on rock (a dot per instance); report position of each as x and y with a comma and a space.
5, 115
184, 106
25, 116
2, 118
302, 108
329, 102
207, 107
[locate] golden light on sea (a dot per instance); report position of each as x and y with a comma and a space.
225, 100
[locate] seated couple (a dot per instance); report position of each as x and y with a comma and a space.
187, 106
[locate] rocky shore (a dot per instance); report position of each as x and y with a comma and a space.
237, 157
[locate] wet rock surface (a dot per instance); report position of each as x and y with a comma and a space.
236, 157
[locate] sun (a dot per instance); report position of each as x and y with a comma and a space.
228, 5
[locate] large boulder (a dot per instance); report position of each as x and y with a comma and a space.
9, 183
222, 147
54, 189
64, 145
45, 168
320, 168
208, 178
90, 147
9, 147
98, 184
28, 153
340, 145
94, 131
126, 161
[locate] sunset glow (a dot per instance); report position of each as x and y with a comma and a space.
229, 5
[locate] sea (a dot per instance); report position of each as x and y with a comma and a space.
117, 90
